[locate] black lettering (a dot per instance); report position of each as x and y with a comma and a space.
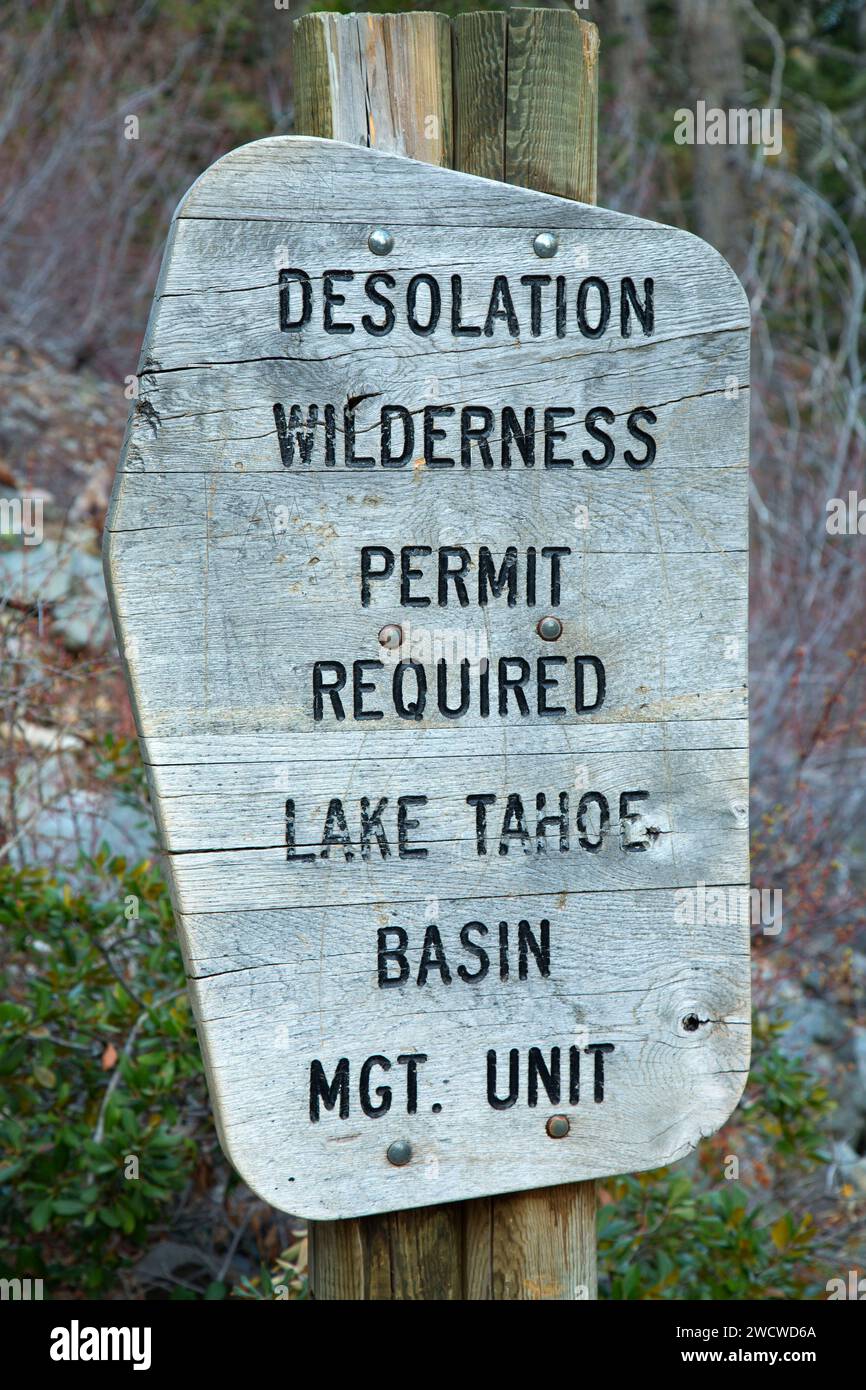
411, 1061
599, 412
389, 414
287, 278
447, 553
383, 1092
295, 433
552, 435
483, 958
488, 578
442, 689
331, 688
514, 683
458, 328
477, 434
513, 434
544, 682
415, 709
408, 572
404, 825
538, 1070
599, 1049
338, 1090
600, 802
433, 957
333, 299
637, 433
423, 330
371, 825
501, 307
581, 704
593, 282
360, 688
628, 817
290, 836
513, 1080
628, 300
432, 433
527, 943
535, 283
514, 825
353, 460
371, 290
555, 553
542, 822
481, 800
336, 832
368, 554
397, 954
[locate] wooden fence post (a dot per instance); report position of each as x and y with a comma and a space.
511, 96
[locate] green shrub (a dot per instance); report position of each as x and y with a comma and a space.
98, 1059
679, 1234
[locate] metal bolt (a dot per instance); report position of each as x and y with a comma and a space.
545, 245
549, 628
380, 241
399, 1153
558, 1126
391, 636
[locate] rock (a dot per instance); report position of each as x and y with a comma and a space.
68, 579
62, 820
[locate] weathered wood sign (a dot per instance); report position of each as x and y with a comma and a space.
428, 561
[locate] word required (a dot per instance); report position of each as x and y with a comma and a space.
549, 686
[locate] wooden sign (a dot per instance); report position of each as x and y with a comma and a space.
428, 557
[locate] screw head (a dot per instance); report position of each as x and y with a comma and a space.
380, 241
549, 628
558, 1126
391, 636
399, 1153
545, 245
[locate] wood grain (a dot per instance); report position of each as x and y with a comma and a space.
230, 575
480, 63
382, 81
551, 103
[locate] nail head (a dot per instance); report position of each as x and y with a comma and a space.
380, 241
558, 1126
549, 628
399, 1153
545, 245
391, 636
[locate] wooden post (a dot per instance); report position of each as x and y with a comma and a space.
510, 96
